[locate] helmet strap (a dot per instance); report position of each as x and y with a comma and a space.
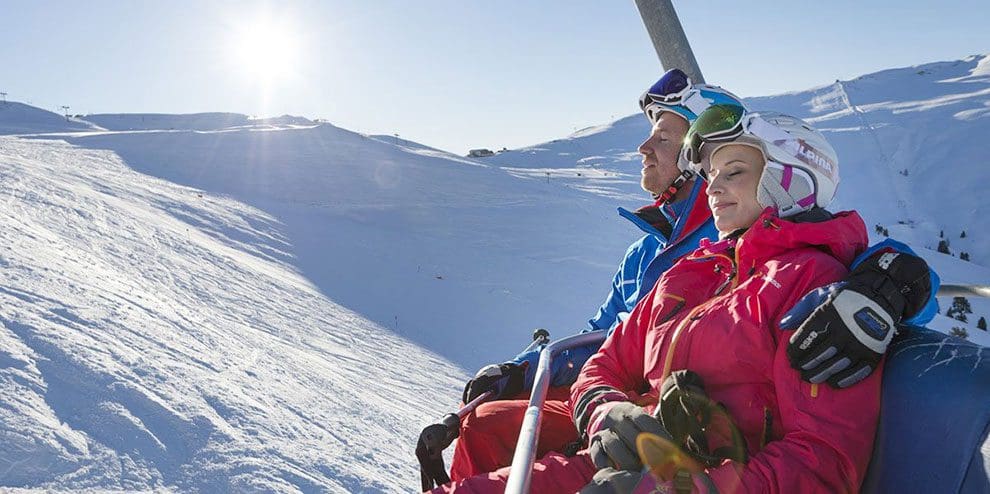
668, 195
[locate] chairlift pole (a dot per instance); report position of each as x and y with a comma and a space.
668, 37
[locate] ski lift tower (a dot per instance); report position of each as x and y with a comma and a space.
668, 37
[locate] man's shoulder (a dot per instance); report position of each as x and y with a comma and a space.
645, 244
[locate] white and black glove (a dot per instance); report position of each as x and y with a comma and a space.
843, 329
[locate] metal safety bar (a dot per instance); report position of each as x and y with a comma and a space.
963, 291
525, 455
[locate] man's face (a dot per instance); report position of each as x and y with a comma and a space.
660, 152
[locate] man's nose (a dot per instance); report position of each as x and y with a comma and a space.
645, 147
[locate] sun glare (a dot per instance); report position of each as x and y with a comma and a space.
265, 50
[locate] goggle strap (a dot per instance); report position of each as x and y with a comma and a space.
766, 130
695, 102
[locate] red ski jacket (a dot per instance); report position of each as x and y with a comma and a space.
715, 312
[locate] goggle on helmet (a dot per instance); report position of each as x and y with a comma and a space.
801, 166
675, 93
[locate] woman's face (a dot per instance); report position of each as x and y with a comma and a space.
733, 175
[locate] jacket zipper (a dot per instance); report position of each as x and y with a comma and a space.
669, 359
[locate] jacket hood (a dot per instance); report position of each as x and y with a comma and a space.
842, 237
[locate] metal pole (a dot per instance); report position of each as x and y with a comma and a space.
964, 290
668, 37
525, 455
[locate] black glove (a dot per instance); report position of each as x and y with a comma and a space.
612, 481
852, 322
505, 380
689, 415
614, 443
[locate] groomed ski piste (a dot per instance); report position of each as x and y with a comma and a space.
211, 302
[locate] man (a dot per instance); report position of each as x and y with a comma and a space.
824, 348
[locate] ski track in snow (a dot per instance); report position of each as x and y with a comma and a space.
147, 343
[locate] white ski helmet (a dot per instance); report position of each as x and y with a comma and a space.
802, 169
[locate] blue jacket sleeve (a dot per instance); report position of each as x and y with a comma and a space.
563, 370
926, 314
615, 303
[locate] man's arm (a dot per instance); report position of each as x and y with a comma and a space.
843, 329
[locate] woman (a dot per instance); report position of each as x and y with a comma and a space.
714, 313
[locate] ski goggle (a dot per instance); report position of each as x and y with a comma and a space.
672, 90
668, 89
718, 123
723, 123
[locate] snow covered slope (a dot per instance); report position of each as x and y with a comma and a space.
452, 254
18, 118
195, 121
258, 332
148, 340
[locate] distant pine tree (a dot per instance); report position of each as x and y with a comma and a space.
982, 323
960, 307
960, 332
964, 256
941, 234
943, 246
963, 234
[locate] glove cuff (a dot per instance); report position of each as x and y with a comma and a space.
584, 410
898, 282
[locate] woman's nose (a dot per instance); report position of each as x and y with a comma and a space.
715, 184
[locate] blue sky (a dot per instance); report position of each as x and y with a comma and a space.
454, 74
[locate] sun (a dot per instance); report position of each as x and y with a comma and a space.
265, 49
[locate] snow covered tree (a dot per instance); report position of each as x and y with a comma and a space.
963, 234
982, 323
964, 256
960, 307
960, 332
943, 246
941, 234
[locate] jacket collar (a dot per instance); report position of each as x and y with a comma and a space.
842, 237
672, 222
